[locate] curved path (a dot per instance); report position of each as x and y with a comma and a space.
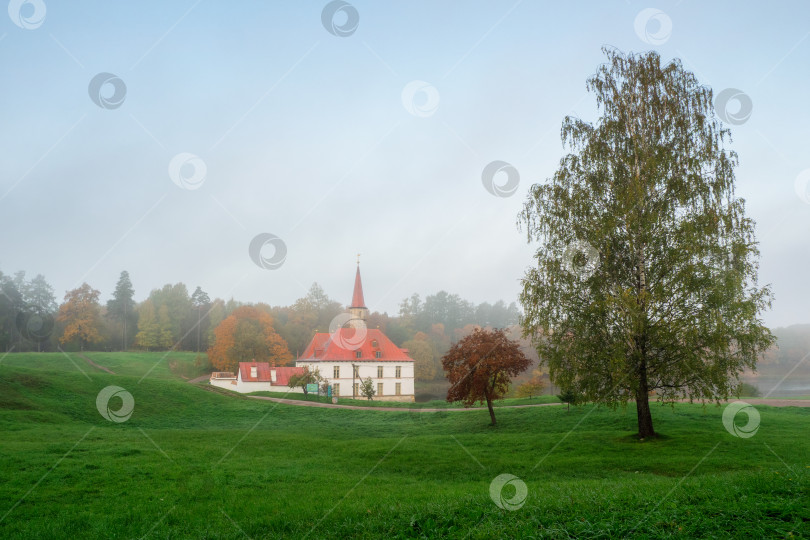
301, 403
108, 370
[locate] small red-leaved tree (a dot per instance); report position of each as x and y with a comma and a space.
481, 366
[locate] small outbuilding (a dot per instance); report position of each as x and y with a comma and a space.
256, 377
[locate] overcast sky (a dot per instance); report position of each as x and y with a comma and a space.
363, 132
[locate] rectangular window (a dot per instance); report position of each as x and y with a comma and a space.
358, 354
335, 389
356, 389
356, 371
399, 389
378, 354
379, 389
379, 372
398, 372
336, 372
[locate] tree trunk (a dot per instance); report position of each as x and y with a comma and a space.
491, 410
645, 426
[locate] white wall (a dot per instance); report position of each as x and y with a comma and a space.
244, 387
368, 369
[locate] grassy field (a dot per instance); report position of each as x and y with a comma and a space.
192, 463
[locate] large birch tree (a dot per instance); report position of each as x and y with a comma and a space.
646, 270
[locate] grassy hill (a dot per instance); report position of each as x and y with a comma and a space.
192, 463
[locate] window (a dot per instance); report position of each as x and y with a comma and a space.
356, 371
253, 373
358, 354
374, 343
379, 389
356, 389
378, 354
335, 389
399, 389
398, 372
379, 372
336, 372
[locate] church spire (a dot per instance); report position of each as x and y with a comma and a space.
358, 309
357, 298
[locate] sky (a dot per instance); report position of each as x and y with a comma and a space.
162, 138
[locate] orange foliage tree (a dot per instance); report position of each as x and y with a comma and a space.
480, 367
80, 313
247, 334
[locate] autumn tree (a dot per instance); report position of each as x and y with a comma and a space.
532, 387
80, 315
247, 335
480, 367
422, 353
646, 272
148, 336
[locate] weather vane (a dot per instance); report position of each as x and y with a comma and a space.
358, 259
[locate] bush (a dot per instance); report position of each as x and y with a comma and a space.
748, 390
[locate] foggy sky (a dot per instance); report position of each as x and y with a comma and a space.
305, 135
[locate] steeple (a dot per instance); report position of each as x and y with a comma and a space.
357, 297
358, 309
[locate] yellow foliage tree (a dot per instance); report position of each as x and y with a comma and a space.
246, 335
80, 313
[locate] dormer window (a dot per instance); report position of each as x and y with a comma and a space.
378, 354
374, 343
358, 354
253, 373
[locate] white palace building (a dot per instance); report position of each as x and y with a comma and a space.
353, 352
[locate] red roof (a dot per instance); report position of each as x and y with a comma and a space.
264, 373
357, 297
342, 345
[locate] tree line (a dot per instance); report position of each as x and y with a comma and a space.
172, 318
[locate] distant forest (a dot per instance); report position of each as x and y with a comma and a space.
31, 319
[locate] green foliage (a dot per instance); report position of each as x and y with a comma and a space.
646, 271
307, 377
367, 388
747, 390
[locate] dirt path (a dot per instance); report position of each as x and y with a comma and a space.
415, 406
300, 403
102, 368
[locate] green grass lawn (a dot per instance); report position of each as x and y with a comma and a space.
192, 463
